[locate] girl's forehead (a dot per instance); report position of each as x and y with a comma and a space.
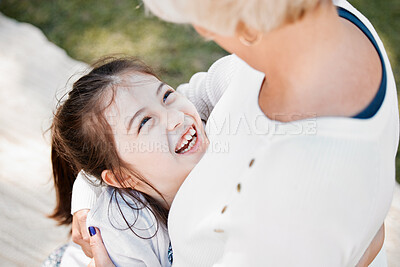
134, 86
131, 92
136, 78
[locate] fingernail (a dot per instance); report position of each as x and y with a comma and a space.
92, 231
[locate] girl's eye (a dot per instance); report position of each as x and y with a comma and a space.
167, 94
143, 122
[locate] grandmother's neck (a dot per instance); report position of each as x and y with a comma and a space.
298, 47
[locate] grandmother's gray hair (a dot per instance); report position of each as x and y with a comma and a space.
223, 16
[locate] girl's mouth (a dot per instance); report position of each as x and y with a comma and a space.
187, 141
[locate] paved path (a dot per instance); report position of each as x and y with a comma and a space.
32, 71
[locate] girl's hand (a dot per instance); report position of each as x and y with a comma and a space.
100, 255
80, 234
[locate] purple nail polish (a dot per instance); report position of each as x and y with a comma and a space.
92, 231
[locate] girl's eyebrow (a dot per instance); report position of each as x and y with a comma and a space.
140, 111
159, 88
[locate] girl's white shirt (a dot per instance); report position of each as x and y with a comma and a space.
312, 192
145, 244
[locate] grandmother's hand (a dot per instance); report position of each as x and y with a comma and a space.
100, 255
80, 234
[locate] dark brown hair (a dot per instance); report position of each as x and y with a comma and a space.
82, 138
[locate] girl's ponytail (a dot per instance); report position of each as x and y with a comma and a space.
64, 176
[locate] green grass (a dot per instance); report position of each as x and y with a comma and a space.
385, 16
90, 29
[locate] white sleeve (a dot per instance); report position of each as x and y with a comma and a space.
84, 192
206, 88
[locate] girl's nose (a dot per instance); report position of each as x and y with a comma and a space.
175, 118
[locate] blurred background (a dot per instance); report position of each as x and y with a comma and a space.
87, 30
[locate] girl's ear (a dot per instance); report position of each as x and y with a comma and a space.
110, 179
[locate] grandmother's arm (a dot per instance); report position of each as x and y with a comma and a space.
206, 88
85, 192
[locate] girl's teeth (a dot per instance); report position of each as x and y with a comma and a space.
187, 138
190, 145
193, 142
184, 142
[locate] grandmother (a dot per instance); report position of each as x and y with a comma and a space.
309, 177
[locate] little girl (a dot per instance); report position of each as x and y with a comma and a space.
132, 132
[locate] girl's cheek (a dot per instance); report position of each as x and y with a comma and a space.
155, 138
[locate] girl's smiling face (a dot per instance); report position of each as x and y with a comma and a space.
157, 131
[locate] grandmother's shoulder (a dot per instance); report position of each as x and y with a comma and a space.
342, 89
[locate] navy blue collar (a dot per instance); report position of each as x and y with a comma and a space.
376, 103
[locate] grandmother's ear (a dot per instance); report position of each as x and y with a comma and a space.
247, 35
